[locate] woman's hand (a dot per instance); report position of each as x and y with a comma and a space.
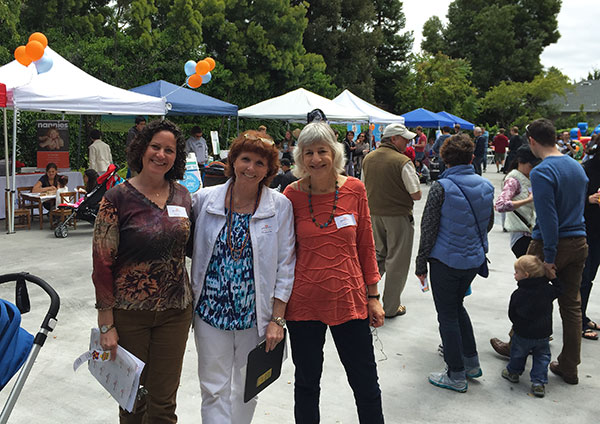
274, 336
376, 314
594, 198
109, 342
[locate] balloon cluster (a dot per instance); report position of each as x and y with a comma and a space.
34, 52
199, 73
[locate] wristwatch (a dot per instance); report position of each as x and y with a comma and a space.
374, 296
280, 321
106, 328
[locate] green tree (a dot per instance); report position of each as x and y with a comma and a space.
444, 84
393, 53
503, 39
433, 38
345, 35
521, 102
9, 34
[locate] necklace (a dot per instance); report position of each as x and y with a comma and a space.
236, 253
310, 208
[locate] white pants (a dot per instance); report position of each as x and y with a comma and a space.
221, 357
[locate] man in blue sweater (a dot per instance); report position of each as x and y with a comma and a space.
559, 192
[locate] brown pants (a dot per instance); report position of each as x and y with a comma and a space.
158, 339
570, 260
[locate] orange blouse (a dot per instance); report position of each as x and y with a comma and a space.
333, 265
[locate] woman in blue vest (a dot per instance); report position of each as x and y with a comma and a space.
457, 216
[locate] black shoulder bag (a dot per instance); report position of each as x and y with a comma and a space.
483, 269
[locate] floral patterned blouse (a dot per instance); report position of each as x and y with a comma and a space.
139, 250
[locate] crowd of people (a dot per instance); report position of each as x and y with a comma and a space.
309, 255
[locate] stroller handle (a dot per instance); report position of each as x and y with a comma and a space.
50, 319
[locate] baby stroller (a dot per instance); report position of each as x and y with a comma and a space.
87, 210
17, 346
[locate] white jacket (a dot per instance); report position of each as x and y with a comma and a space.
273, 245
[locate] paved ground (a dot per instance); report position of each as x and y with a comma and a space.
406, 351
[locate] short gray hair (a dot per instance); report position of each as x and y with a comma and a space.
318, 132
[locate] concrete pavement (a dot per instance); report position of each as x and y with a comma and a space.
406, 350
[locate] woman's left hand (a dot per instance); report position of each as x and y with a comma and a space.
274, 336
376, 314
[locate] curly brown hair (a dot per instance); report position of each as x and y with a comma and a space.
139, 144
457, 150
255, 142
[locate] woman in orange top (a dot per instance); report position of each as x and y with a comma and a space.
336, 276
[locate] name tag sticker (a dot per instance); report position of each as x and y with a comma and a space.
266, 229
345, 220
176, 211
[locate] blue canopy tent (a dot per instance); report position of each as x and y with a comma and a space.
183, 101
425, 118
465, 125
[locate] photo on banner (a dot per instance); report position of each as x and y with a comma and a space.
355, 128
53, 143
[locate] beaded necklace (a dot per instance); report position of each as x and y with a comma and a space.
310, 208
236, 253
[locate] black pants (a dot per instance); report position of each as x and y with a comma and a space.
520, 247
448, 286
354, 344
589, 273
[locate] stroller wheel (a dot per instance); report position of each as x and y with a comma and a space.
61, 231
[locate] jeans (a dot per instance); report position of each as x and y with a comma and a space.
589, 273
449, 286
571, 253
354, 345
520, 349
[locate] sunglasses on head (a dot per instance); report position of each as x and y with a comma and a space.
255, 138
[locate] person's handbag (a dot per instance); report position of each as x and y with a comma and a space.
483, 270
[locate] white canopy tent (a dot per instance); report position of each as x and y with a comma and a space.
295, 105
66, 89
376, 115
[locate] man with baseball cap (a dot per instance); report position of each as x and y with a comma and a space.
392, 187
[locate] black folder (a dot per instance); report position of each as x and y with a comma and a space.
263, 368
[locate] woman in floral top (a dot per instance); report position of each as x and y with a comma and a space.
143, 293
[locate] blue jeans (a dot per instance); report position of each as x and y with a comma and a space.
449, 286
354, 344
520, 348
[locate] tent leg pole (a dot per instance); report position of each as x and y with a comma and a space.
79, 144
237, 119
11, 195
7, 164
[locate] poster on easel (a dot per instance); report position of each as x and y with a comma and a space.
216, 146
52, 143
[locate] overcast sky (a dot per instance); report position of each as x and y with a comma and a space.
575, 54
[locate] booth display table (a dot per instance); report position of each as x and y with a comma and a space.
38, 199
25, 180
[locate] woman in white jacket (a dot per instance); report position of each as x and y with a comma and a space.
242, 274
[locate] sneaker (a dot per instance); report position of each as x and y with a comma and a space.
538, 390
443, 380
512, 377
474, 372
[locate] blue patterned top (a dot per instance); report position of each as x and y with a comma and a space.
228, 298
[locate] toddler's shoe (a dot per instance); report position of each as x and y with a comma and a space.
443, 380
512, 377
538, 390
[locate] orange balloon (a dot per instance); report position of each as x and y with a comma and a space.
21, 56
202, 67
195, 81
38, 36
35, 50
211, 62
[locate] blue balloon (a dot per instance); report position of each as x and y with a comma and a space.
190, 68
597, 129
44, 64
206, 78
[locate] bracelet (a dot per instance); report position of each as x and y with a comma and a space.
374, 296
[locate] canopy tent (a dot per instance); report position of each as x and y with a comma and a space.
183, 101
66, 89
295, 105
465, 125
425, 118
376, 115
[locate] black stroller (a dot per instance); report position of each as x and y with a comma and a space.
18, 347
87, 210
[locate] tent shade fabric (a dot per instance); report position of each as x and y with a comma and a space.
67, 89
376, 115
465, 125
183, 101
295, 105
425, 118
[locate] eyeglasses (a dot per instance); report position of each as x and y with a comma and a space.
254, 138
